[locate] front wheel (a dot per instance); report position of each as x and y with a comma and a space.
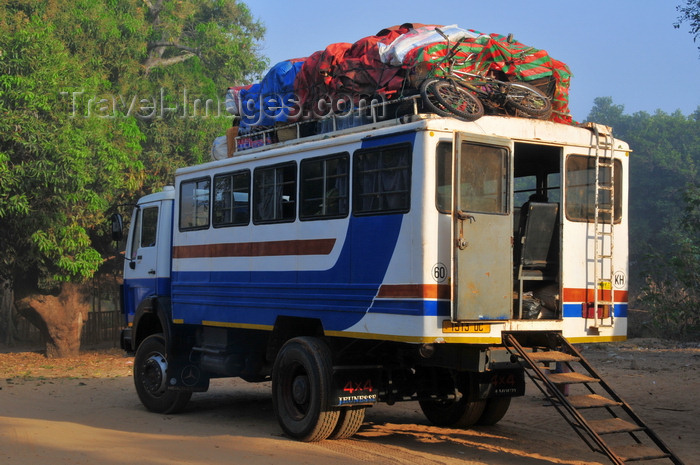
427, 93
458, 100
528, 99
150, 380
301, 389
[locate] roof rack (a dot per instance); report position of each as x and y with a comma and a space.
377, 110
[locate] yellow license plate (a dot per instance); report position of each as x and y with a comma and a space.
461, 327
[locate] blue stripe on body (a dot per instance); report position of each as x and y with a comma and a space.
576, 310
339, 297
136, 290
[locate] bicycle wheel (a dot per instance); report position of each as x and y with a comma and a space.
429, 100
528, 99
458, 100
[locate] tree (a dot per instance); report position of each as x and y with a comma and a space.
690, 13
672, 292
79, 134
58, 174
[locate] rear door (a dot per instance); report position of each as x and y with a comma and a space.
482, 265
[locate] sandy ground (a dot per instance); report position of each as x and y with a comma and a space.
85, 411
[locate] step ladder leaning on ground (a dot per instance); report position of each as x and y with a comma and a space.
599, 416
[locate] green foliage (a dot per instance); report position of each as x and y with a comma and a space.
672, 292
690, 13
664, 211
59, 174
78, 134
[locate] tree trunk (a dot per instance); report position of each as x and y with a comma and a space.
7, 322
60, 318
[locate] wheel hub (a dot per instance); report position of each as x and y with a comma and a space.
300, 389
154, 369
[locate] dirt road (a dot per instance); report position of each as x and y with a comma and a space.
86, 412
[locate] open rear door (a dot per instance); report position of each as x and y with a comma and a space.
483, 228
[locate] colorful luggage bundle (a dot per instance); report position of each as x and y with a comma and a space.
387, 66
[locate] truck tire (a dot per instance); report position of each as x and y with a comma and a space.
455, 414
150, 379
494, 410
301, 389
349, 422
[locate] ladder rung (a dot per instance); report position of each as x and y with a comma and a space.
591, 401
570, 378
551, 356
639, 452
605, 188
613, 425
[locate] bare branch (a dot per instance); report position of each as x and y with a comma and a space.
153, 62
154, 45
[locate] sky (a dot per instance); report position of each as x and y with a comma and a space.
624, 49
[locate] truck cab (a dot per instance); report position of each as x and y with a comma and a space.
148, 258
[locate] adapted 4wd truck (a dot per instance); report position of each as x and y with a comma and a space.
427, 259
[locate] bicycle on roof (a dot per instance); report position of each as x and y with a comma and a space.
466, 95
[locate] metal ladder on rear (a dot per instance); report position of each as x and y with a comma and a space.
603, 311
599, 416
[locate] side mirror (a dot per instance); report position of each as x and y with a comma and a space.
117, 227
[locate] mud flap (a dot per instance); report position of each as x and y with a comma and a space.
500, 383
353, 386
186, 377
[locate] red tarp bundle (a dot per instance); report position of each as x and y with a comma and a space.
349, 72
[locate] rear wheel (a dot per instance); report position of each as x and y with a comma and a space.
494, 410
458, 100
349, 422
528, 99
150, 368
460, 414
301, 389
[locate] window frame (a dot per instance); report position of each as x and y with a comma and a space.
256, 173
144, 225
232, 222
446, 169
357, 177
324, 177
208, 204
618, 190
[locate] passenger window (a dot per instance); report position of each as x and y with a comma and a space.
231, 199
194, 204
324, 187
382, 180
149, 230
443, 177
275, 189
580, 189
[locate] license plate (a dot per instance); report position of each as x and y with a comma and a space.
461, 327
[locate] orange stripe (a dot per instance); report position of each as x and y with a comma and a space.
588, 295
415, 291
256, 249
